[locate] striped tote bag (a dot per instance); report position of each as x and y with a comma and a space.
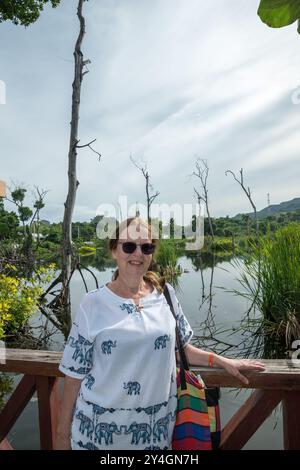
197, 425
192, 426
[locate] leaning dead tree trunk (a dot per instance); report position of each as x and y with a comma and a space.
58, 310
67, 251
247, 191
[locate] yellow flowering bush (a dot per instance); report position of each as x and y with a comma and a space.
19, 298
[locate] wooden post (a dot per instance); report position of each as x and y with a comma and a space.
49, 404
291, 420
16, 405
248, 418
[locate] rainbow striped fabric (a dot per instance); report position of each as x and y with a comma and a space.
197, 425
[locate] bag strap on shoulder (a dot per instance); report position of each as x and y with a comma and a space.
184, 365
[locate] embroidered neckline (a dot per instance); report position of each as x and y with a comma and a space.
129, 299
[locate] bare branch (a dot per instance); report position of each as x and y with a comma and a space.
145, 172
246, 191
86, 145
82, 277
49, 317
89, 145
91, 272
202, 174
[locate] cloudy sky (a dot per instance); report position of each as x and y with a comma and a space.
170, 81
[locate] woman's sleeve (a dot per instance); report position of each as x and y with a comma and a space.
77, 359
185, 330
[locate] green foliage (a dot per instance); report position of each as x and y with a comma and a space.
87, 250
8, 223
19, 298
6, 383
221, 244
83, 230
24, 12
166, 260
279, 13
271, 282
166, 255
18, 195
24, 213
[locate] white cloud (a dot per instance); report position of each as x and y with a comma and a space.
168, 81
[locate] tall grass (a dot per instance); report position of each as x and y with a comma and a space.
166, 259
271, 282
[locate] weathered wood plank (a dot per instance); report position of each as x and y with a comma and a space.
16, 404
267, 380
280, 374
32, 362
248, 418
291, 420
48, 390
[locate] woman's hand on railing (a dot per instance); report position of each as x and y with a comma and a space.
233, 367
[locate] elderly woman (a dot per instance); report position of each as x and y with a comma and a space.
119, 360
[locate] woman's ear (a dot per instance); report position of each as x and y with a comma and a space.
113, 253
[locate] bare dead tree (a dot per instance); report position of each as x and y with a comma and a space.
38, 205
61, 303
247, 191
149, 187
202, 174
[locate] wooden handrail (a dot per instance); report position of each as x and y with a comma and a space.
280, 374
279, 382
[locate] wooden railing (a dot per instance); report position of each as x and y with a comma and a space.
280, 382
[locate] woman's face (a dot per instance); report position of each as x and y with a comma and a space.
136, 264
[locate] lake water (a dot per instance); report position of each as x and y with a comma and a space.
227, 310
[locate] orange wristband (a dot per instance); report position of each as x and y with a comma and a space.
211, 360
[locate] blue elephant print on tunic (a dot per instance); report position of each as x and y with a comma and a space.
83, 350
139, 431
156, 448
130, 308
184, 329
99, 410
133, 387
87, 446
106, 346
90, 380
161, 342
105, 431
80, 370
161, 428
86, 424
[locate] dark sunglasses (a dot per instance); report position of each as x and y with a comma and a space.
130, 247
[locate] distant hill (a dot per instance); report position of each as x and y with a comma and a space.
287, 206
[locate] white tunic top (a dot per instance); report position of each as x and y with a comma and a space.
126, 359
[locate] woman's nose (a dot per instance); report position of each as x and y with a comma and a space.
138, 250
